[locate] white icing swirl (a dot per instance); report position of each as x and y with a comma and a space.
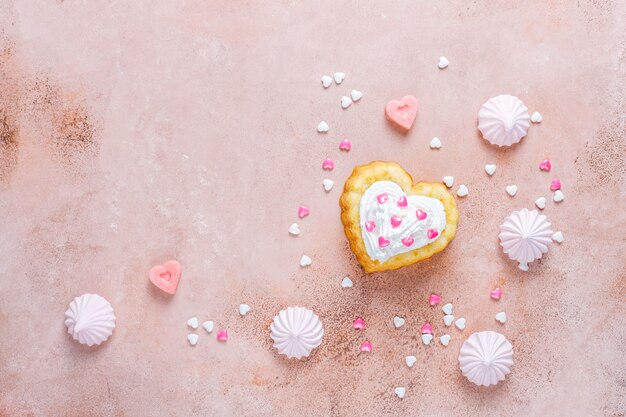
413, 229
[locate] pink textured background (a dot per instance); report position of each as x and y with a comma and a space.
135, 132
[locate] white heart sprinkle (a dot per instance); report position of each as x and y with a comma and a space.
193, 322
356, 95
541, 203
511, 190
460, 323
449, 181
445, 339
398, 322
501, 317
294, 229
523, 266
462, 191
328, 184
427, 338
193, 339
208, 326
326, 81
244, 309
447, 309
536, 117
558, 196
305, 261
322, 127
400, 392
345, 102
410, 361
346, 283
490, 168
558, 237
448, 319
443, 62
339, 77
435, 143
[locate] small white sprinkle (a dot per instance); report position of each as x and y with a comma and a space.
445, 339
244, 309
427, 338
536, 117
339, 77
294, 229
400, 392
558, 237
460, 323
558, 196
193, 322
346, 283
540, 203
326, 81
346, 102
490, 169
322, 127
435, 143
511, 190
462, 191
208, 326
447, 309
398, 322
448, 180
192, 338
443, 62
356, 95
448, 319
501, 317
305, 261
410, 361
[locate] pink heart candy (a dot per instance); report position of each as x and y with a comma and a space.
328, 164
545, 165
402, 112
358, 324
402, 202
382, 198
382, 242
366, 346
555, 184
421, 214
165, 277
434, 299
407, 241
395, 221
432, 233
370, 225
345, 145
427, 328
496, 293
303, 211
222, 335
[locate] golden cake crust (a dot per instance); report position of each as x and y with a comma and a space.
365, 175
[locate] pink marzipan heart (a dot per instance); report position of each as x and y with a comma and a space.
165, 277
402, 112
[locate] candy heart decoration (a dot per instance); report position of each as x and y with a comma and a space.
427, 338
445, 339
449, 181
558, 196
408, 241
511, 190
358, 324
536, 117
558, 237
555, 184
400, 392
540, 203
402, 112
294, 229
490, 169
366, 347
496, 293
345, 145
345, 102
303, 211
434, 299
398, 322
346, 283
545, 165
208, 326
222, 335
305, 261
448, 319
396, 221
435, 143
339, 77
322, 127
326, 81
165, 277
244, 309
328, 164
443, 62
193, 322
460, 323
427, 328
356, 95
501, 317
447, 309
192, 338
328, 184
410, 361
463, 191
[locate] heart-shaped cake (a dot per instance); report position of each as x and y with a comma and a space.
392, 222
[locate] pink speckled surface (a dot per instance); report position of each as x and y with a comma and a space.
135, 132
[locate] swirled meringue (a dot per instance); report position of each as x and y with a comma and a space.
525, 236
486, 358
90, 319
296, 331
503, 120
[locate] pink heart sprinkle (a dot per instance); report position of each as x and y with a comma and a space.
395, 221
366, 346
402, 202
359, 324
382, 242
427, 328
370, 225
328, 164
407, 241
382, 198
545, 165
303, 211
496, 293
434, 299
421, 214
222, 335
555, 184
432, 233
345, 145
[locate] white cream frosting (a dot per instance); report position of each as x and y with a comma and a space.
296, 331
410, 226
